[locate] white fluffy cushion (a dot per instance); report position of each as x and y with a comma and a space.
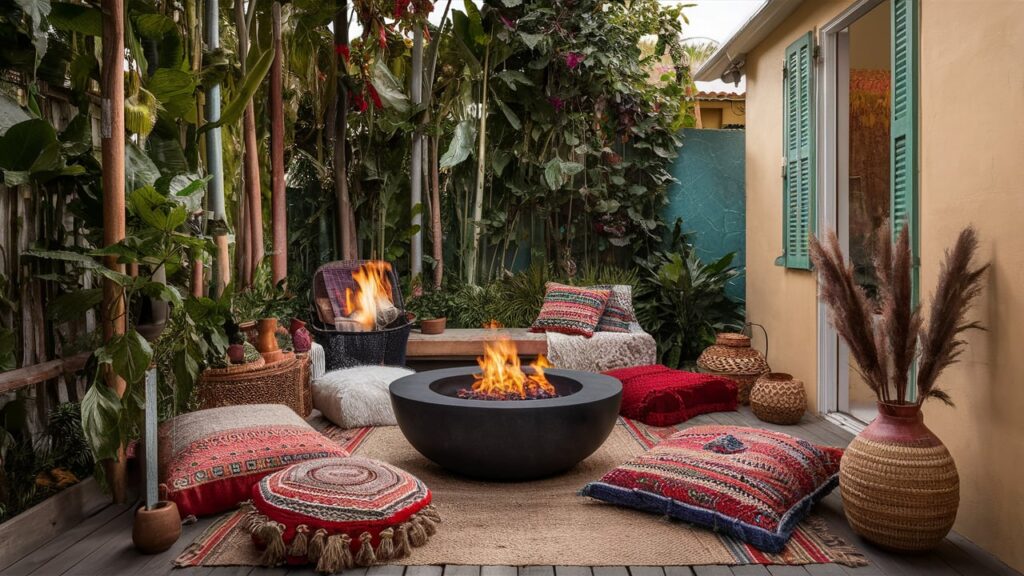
356, 397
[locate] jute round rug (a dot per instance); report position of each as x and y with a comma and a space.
541, 522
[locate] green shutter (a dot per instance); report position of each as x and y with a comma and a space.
903, 154
798, 191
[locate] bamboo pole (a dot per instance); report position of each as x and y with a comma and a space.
250, 161
112, 159
278, 207
416, 162
346, 220
481, 173
215, 160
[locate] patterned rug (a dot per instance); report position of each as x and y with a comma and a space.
541, 522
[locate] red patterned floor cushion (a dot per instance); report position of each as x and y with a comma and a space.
756, 485
210, 459
571, 310
338, 513
660, 396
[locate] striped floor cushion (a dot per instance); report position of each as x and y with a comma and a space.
753, 484
339, 513
571, 310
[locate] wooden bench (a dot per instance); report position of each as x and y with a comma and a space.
461, 346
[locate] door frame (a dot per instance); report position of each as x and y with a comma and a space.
831, 202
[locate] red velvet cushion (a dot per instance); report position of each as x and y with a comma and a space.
757, 485
210, 459
661, 396
338, 513
571, 310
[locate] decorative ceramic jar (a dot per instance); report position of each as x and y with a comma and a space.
778, 398
302, 341
732, 357
157, 529
266, 341
899, 483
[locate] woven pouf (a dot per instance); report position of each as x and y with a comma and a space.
731, 356
778, 398
339, 513
899, 483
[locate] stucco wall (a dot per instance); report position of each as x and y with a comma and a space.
971, 172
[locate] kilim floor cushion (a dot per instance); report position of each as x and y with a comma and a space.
210, 459
660, 396
755, 485
338, 513
571, 310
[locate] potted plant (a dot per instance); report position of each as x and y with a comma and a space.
899, 483
259, 307
432, 308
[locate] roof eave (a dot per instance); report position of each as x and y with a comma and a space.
767, 18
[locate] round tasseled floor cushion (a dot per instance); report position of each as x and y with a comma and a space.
339, 513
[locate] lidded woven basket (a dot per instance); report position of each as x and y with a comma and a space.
778, 398
732, 357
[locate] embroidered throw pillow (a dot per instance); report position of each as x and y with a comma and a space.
339, 513
210, 459
571, 310
618, 315
753, 484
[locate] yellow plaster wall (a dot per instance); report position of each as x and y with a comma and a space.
972, 171
718, 113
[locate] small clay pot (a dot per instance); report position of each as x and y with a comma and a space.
433, 326
236, 353
158, 529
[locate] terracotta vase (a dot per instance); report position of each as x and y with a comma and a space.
266, 340
899, 483
302, 341
433, 326
156, 530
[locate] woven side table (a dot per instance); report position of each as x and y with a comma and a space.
285, 382
778, 398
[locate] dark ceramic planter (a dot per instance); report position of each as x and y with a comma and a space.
509, 440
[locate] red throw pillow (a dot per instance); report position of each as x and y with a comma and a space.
210, 459
756, 485
571, 310
339, 513
660, 396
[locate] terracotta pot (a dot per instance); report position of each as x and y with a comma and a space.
266, 340
250, 330
158, 529
899, 483
433, 326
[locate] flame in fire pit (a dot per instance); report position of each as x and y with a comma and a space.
502, 377
370, 304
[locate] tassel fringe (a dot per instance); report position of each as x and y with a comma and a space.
332, 553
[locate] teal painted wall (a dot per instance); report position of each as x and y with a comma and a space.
710, 196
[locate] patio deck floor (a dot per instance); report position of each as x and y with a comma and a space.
102, 544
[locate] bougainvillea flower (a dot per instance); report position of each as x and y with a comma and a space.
343, 51
382, 38
359, 103
557, 102
507, 22
573, 60
376, 97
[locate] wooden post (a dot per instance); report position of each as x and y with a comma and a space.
346, 220
416, 162
112, 160
278, 206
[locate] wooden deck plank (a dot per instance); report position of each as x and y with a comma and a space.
678, 571
825, 570
712, 571
424, 571
385, 570
457, 570
536, 571
81, 550
646, 571
500, 571
51, 549
750, 570
787, 570
610, 571
572, 571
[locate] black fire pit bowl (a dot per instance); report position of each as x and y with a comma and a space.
508, 440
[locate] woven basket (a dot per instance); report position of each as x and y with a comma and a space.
732, 357
899, 483
384, 347
778, 398
285, 382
